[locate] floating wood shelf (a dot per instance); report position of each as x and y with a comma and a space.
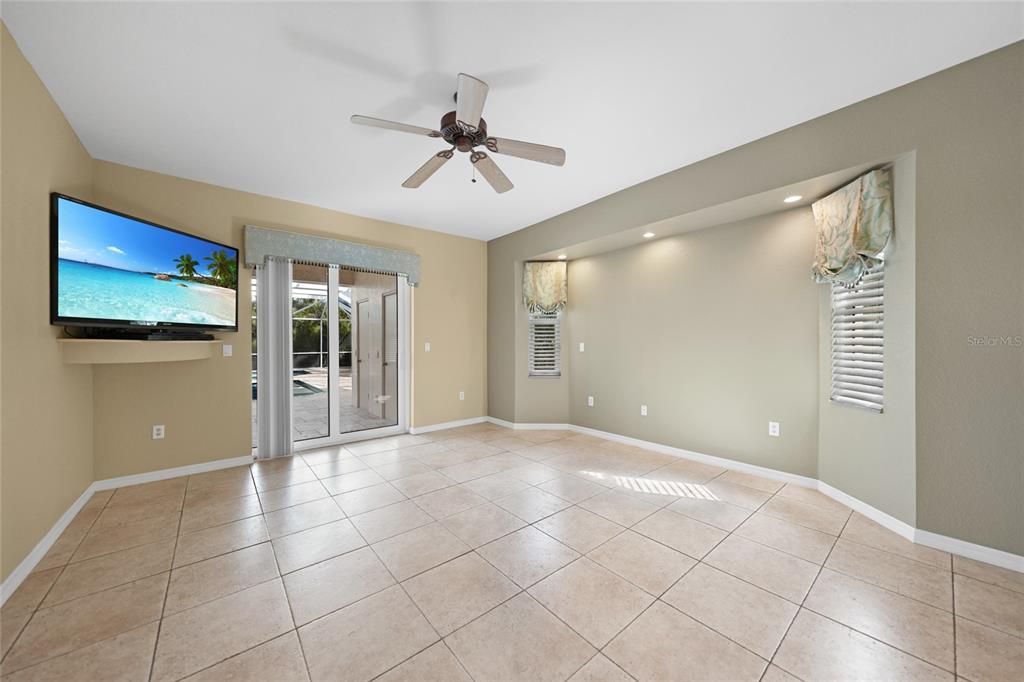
117, 351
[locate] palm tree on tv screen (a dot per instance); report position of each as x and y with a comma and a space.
222, 268
186, 265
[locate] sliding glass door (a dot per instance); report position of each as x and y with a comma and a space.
349, 355
311, 352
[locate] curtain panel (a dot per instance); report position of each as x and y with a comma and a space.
854, 226
261, 243
274, 357
545, 289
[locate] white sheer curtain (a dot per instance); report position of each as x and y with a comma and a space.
274, 357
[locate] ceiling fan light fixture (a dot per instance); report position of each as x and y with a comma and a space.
792, 198
465, 130
562, 256
648, 235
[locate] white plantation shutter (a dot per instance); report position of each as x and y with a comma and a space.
544, 345
858, 341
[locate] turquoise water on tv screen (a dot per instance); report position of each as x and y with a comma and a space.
97, 291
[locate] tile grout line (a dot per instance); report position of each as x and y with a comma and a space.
656, 599
700, 561
404, 591
167, 587
280, 576
771, 661
284, 588
62, 568
559, 473
180, 514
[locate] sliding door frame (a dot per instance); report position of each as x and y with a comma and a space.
404, 372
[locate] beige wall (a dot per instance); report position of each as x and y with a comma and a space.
965, 126
205, 405
715, 331
869, 455
45, 406
64, 426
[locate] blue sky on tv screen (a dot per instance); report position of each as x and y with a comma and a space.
89, 235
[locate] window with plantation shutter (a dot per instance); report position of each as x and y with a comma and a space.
858, 341
544, 345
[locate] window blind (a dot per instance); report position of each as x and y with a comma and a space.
858, 341
544, 345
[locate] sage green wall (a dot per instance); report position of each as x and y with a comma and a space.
965, 126
867, 454
716, 331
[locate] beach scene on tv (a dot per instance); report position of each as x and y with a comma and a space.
114, 268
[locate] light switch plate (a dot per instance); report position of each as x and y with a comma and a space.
228, 350
158, 431
426, 347
462, 395
643, 410
773, 429
590, 401
581, 346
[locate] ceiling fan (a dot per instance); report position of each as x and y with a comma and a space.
465, 130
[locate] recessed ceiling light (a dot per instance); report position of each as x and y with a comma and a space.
792, 198
648, 235
562, 257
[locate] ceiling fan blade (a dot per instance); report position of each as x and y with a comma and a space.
424, 172
392, 125
485, 164
527, 150
469, 101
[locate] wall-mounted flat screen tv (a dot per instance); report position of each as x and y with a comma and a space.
108, 269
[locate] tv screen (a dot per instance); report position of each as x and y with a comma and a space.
108, 269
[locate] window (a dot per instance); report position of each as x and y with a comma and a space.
545, 345
858, 341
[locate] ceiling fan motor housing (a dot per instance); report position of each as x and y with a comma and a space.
462, 139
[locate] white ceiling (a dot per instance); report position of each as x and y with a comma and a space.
256, 96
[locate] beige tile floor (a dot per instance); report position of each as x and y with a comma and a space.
485, 554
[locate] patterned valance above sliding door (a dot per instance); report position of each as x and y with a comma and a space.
261, 242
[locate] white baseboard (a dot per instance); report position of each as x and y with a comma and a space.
901, 528
764, 472
23, 569
970, 550
162, 474
524, 426
415, 430
996, 557
18, 575
501, 422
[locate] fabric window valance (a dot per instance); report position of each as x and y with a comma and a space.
545, 289
854, 226
261, 243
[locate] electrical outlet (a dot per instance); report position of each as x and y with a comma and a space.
581, 346
228, 350
643, 410
426, 347
462, 395
158, 431
773, 429
590, 401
